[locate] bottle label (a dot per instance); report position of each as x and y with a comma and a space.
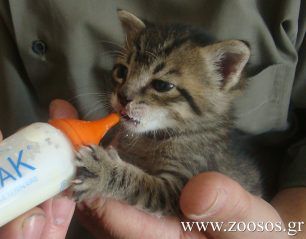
14, 169
18, 165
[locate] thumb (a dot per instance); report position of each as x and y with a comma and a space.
62, 109
59, 211
213, 197
30, 225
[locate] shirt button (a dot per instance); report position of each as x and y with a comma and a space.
39, 47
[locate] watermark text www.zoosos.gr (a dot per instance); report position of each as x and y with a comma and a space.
292, 228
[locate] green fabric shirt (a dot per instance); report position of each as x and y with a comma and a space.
64, 49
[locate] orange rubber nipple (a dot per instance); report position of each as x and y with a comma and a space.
85, 132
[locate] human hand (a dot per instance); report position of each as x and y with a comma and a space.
52, 218
207, 197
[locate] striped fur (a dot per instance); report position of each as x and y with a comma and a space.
167, 137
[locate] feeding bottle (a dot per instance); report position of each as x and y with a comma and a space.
37, 162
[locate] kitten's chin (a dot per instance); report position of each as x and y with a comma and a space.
136, 126
140, 127
132, 125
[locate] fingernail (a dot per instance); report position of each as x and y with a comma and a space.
62, 210
33, 226
216, 205
62, 109
53, 107
57, 109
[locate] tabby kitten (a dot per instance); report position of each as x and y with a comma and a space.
174, 91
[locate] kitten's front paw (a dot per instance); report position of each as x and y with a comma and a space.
89, 174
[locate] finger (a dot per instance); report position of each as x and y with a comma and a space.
1, 136
58, 211
113, 219
62, 109
289, 211
214, 197
27, 226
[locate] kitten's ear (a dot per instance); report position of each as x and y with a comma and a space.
131, 24
227, 59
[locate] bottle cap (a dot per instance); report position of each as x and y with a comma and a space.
85, 132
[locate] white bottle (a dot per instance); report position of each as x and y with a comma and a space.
36, 163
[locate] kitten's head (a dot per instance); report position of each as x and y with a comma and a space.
174, 76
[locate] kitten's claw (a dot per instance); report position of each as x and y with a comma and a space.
76, 181
90, 170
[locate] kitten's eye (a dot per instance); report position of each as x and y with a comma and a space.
161, 86
120, 72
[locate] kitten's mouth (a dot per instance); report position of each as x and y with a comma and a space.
124, 115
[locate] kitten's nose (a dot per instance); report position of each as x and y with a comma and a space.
123, 99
